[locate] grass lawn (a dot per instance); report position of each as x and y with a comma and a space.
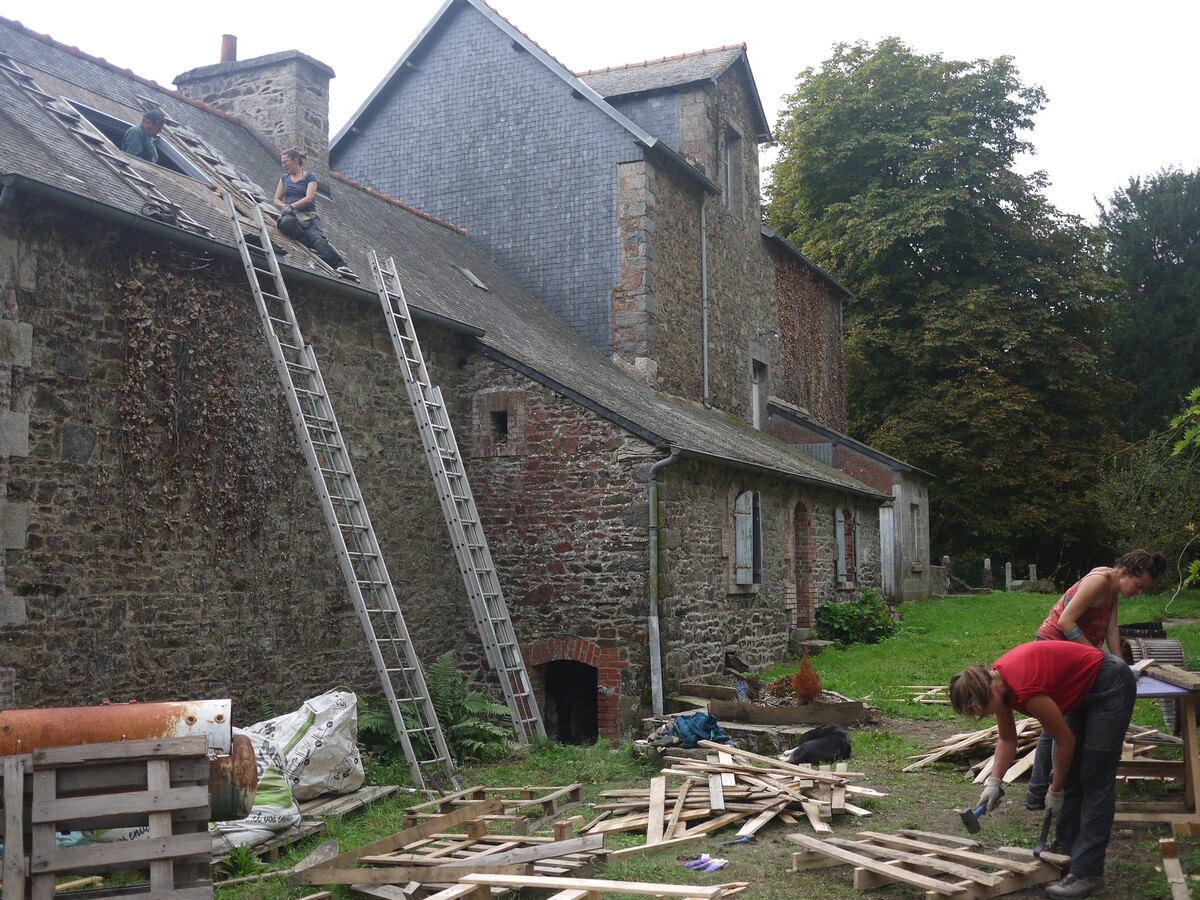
938, 637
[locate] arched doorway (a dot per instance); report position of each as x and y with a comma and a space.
571, 712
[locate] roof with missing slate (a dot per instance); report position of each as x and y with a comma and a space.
39, 154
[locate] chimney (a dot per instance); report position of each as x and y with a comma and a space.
284, 95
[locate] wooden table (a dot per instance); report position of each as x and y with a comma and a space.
1184, 814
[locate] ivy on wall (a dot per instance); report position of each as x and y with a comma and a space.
203, 433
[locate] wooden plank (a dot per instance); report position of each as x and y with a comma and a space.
405, 874
97, 857
626, 852
123, 751
1175, 675
1173, 871
709, 691
714, 824
758, 822
672, 826
814, 713
12, 879
459, 891
395, 841
802, 771
903, 843
952, 839
716, 794
873, 865
812, 810
595, 884
929, 861
106, 806
542, 850
658, 794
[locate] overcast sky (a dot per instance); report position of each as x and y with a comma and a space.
1121, 79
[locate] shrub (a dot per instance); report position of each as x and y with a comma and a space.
862, 621
806, 683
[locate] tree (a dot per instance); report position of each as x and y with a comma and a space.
1153, 230
975, 340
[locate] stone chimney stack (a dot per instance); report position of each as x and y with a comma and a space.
284, 95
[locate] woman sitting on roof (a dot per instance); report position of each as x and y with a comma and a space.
296, 197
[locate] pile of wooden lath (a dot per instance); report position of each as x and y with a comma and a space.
480, 887
434, 853
979, 748
516, 801
940, 864
731, 786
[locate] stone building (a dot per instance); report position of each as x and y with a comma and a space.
161, 535
628, 201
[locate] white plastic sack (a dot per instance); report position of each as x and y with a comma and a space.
275, 809
319, 742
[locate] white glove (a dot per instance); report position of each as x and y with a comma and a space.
991, 793
1054, 802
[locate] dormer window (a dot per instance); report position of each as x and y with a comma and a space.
114, 130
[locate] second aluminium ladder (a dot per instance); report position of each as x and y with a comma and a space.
458, 507
345, 513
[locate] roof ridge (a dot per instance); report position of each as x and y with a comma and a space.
133, 76
651, 62
519, 31
379, 195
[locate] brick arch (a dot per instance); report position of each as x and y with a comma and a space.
804, 557
605, 660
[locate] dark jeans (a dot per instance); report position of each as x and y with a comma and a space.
1090, 794
312, 238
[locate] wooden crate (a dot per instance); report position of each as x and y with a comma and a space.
158, 785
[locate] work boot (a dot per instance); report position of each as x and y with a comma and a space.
1077, 886
1034, 800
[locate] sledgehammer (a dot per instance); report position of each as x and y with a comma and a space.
970, 817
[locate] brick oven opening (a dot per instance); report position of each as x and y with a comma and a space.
570, 708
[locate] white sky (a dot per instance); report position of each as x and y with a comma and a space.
1120, 78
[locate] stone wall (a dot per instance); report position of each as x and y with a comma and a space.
174, 545
703, 613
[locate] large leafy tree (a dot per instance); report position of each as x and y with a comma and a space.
1153, 230
975, 341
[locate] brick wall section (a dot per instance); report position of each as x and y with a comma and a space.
567, 522
610, 666
812, 365
483, 135
130, 589
284, 95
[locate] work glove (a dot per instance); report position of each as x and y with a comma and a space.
1054, 801
991, 793
288, 211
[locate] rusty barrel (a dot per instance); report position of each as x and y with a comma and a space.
232, 771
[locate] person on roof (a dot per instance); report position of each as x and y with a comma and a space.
142, 140
296, 198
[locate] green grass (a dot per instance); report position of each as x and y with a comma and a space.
938, 637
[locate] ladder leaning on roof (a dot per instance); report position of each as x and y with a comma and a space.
345, 513
458, 507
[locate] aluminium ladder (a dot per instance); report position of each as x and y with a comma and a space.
458, 508
350, 528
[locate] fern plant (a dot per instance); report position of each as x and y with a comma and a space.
470, 720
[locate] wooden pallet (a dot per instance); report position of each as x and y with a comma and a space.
432, 856
940, 864
515, 801
158, 784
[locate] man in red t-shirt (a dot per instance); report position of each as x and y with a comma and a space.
1084, 699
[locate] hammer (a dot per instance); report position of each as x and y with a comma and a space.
970, 817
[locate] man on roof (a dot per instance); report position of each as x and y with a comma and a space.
142, 140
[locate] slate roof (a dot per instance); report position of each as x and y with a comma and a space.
674, 72
39, 155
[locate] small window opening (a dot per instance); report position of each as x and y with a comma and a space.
759, 391
500, 426
472, 277
748, 550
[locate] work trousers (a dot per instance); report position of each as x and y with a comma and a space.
312, 237
1090, 793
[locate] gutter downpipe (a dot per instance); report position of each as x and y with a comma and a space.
656, 681
704, 298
